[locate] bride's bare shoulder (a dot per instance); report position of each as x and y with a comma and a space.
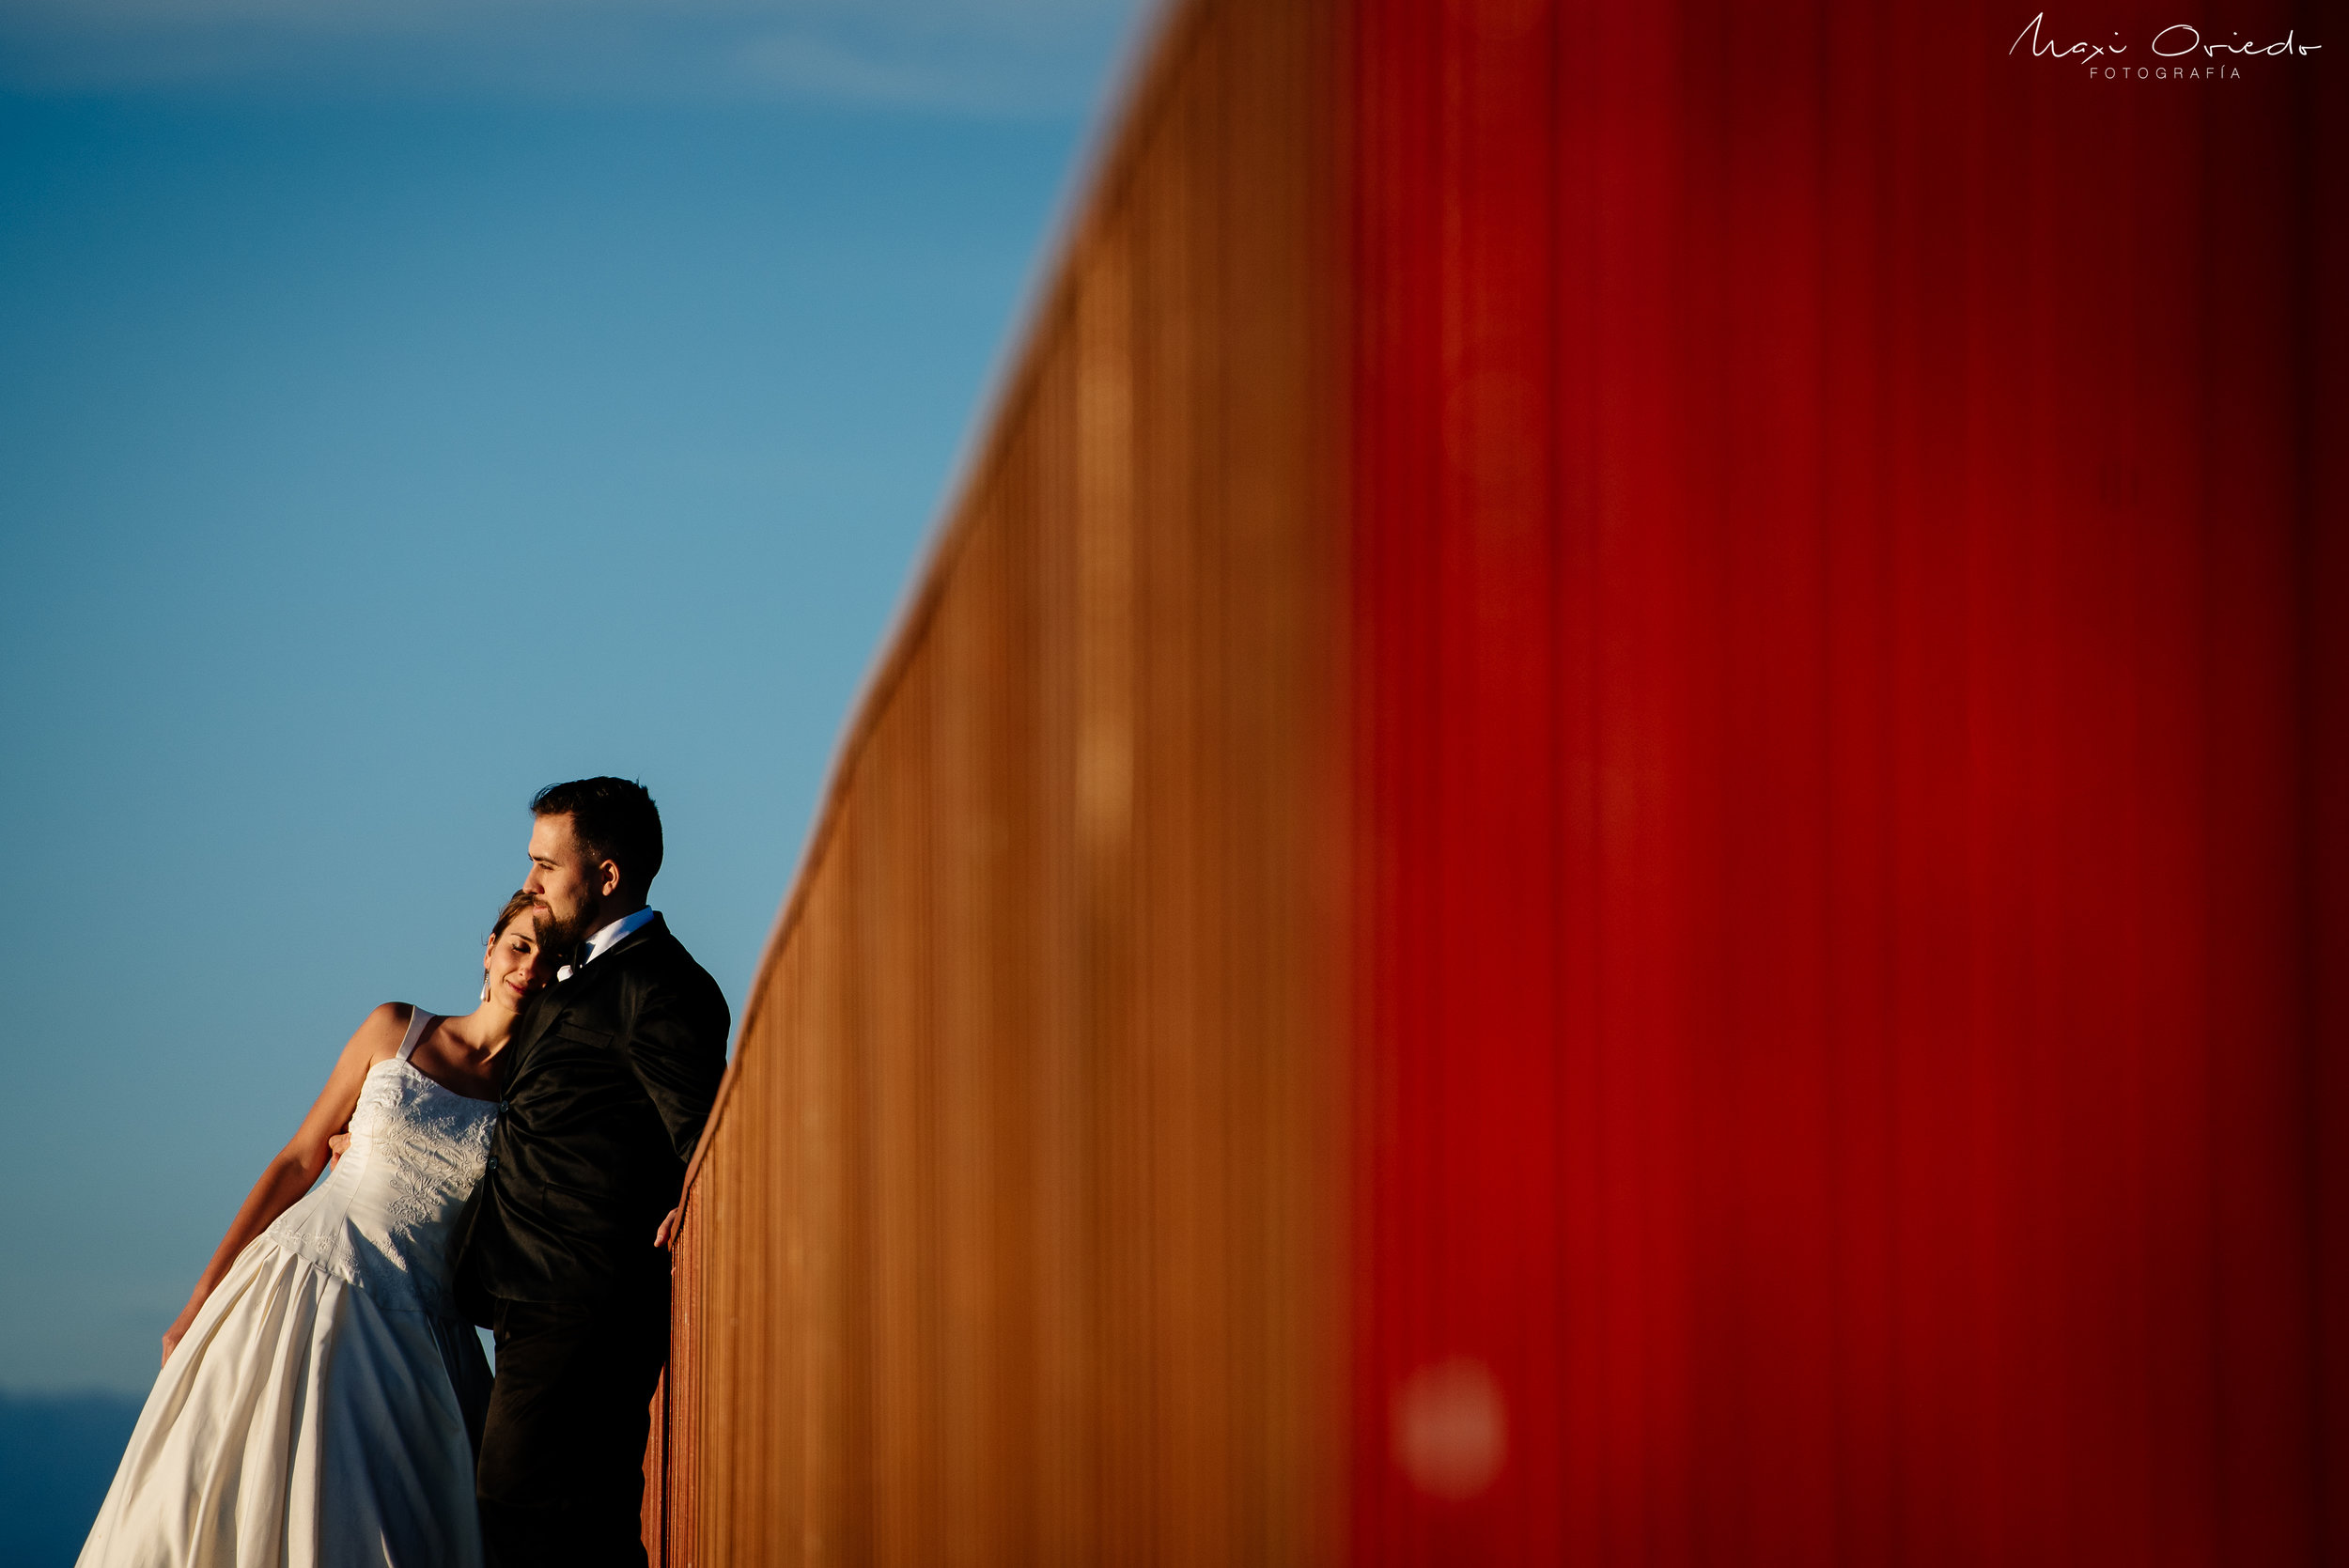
379, 1036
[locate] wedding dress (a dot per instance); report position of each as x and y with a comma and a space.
316, 1415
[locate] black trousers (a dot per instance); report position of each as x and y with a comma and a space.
562, 1476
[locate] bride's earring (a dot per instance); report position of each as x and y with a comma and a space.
485, 982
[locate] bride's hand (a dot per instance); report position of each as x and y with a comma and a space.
177, 1332
336, 1147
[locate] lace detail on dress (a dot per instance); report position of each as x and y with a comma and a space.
384, 1218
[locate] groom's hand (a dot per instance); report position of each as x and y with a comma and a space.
662, 1237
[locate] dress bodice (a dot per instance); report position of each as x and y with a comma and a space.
384, 1218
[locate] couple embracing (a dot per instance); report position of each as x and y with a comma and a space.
323, 1401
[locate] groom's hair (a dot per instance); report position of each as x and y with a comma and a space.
614, 819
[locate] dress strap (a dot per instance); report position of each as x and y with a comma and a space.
417, 1025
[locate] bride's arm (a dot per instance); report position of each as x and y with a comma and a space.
298, 1164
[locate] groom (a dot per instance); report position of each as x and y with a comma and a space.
614, 1070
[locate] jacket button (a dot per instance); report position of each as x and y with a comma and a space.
493, 1163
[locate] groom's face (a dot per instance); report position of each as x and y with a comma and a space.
565, 888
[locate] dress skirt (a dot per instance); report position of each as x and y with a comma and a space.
301, 1424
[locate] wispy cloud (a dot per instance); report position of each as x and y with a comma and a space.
990, 56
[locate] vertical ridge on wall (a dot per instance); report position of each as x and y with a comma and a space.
2321, 575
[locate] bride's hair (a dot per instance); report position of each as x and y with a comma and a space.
518, 904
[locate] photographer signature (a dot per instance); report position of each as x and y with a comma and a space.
2177, 39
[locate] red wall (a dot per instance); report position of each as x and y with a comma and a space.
1848, 596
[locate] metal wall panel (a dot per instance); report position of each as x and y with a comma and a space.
1612, 831
1013, 1239
1848, 643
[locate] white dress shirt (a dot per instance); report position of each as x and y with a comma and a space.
603, 940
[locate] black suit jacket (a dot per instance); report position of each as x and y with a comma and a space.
613, 1073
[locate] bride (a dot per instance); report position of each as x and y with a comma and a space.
320, 1399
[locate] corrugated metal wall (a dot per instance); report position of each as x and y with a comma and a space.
1613, 831
1012, 1242
1850, 596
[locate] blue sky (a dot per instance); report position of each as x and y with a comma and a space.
405, 406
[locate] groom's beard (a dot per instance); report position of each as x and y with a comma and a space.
565, 938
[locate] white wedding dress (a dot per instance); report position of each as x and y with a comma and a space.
316, 1415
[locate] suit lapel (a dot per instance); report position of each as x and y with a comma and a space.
548, 1004
543, 1009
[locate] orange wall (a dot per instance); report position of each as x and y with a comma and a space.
1015, 1238
1615, 829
